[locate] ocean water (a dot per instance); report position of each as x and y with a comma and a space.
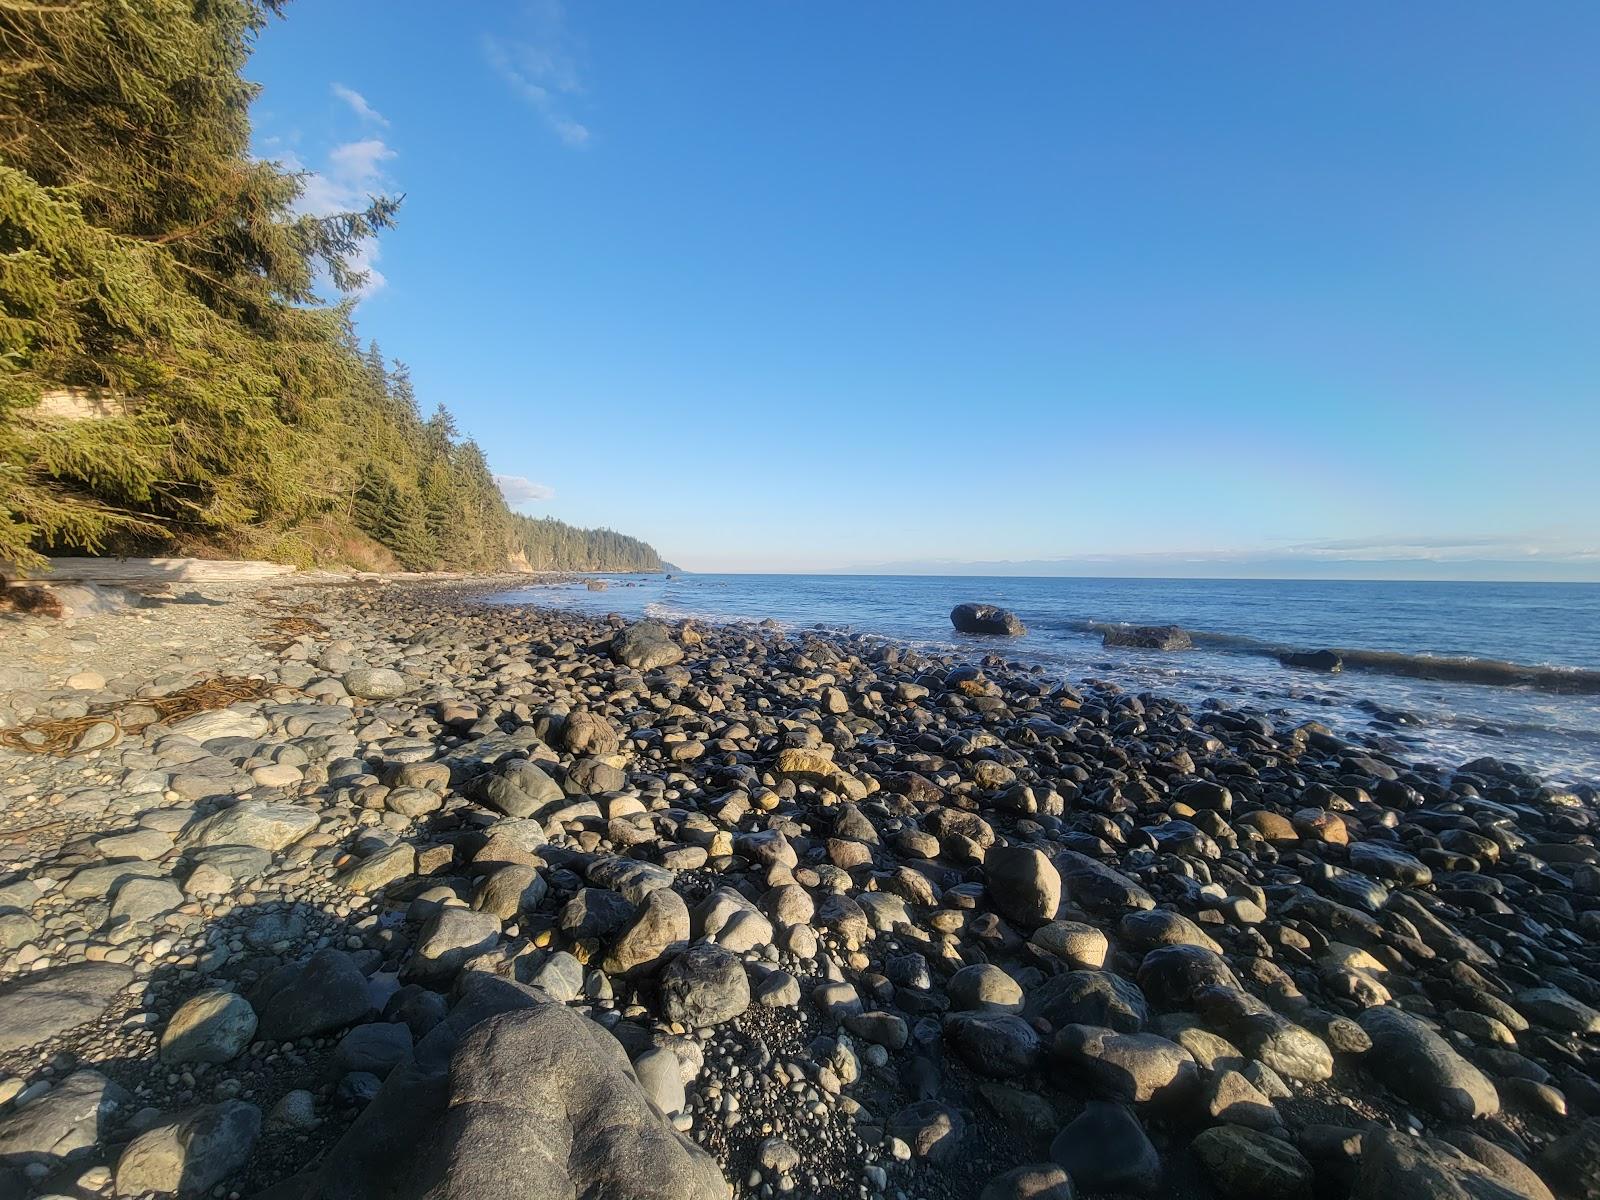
1549, 721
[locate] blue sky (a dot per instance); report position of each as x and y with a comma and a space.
1169, 287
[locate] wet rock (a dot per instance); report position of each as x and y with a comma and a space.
1329, 662
1147, 637
986, 618
254, 823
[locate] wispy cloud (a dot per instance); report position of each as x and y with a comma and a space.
353, 172
540, 65
520, 491
358, 104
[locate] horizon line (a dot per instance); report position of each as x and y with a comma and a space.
840, 573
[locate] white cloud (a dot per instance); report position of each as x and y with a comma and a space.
359, 163
520, 491
358, 103
541, 67
353, 172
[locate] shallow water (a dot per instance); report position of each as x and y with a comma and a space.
1239, 625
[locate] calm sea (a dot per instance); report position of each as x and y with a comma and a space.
1238, 625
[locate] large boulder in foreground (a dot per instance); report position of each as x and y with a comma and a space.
986, 618
1147, 637
513, 1095
646, 645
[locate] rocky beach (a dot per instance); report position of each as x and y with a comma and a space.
312, 888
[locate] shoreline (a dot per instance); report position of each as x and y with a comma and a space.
917, 919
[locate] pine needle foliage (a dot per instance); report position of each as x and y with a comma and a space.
158, 281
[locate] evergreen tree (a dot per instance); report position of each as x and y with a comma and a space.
169, 377
405, 531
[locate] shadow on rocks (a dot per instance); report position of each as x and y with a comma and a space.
289, 1059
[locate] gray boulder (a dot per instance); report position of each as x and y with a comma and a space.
447, 941
1023, 884
986, 618
508, 1069
1416, 1063
64, 1123
1328, 661
521, 789
375, 683
1136, 1068
252, 823
660, 928
1571, 1163
1147, 637
993, 1043
35, 1008
1396, 1166
705, 985
191, 1154
1105, 1149
646, 645
325, 992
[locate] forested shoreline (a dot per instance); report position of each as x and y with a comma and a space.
170, 379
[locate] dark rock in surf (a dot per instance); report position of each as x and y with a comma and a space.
1147, 637
986, 618
1327, 661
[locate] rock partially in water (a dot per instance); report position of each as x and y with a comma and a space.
1330, 662
1147, 637
987, 618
